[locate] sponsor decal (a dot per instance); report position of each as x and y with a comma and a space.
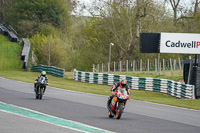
183, 43
193, 44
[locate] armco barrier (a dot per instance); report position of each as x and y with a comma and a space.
25, 52
8, 32
51, 70
176, 89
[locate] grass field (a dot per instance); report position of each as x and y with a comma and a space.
9, 54
177, 76
69, 84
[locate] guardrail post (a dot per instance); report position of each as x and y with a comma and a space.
171, 67
133, 65
127, 66
114, 66
163, 66
155, 65
98, 68
140, 65
179, 61
120, 66
93, 69
108, 67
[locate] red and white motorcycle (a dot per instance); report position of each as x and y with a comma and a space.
121, 98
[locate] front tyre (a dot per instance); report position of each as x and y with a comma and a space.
41, 93
119, 111
36, 93
37, 96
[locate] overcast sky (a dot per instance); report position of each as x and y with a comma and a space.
88, 3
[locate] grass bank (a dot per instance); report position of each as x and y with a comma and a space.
176, 76
69, 84
9, 54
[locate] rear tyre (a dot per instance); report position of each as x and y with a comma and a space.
119, 111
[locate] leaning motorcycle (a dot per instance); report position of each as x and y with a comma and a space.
41, 83
122, 98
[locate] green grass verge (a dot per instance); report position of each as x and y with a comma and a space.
177, 75
9, 54
69, 84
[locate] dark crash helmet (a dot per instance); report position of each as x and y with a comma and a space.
123, 82
43, 73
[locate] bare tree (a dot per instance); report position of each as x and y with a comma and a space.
175, 4
196, 6
141, 11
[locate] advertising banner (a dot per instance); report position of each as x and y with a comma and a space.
183, 43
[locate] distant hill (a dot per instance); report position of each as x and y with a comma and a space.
9, 54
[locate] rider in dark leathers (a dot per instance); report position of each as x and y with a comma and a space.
43, 74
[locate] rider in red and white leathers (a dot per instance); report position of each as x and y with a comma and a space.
122, 84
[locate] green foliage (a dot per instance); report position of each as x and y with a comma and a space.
9, 54
116, 26
50, 50
28, 16
84, 41
5, 8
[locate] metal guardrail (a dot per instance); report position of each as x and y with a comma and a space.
51, 70
176, 89
25, 52
8, 32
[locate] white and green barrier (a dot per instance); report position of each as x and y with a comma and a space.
176, 89
51, 70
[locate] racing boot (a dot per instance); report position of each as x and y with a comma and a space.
113, 102
109, 101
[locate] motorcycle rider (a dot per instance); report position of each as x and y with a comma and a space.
122, 84
43, 74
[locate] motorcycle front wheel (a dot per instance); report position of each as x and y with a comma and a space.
36, 93
41, 93
119, 111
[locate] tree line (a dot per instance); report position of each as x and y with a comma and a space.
60, 38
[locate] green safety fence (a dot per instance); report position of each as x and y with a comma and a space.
51, 70
176, 89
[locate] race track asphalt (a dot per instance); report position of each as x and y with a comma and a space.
90, 109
